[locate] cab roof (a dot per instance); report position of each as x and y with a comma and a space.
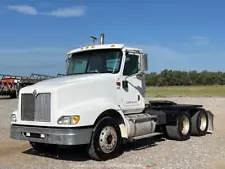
103, 46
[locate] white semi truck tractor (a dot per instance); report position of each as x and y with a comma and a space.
101, 103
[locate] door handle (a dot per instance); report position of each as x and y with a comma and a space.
125, 84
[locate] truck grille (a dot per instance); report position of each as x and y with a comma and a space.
36, 108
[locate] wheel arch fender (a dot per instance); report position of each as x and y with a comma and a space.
117, 114
209, 115
211, 121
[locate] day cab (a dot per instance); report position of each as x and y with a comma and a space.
101, 103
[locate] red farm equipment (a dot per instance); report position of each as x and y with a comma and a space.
10, 85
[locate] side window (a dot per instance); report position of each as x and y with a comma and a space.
131, 65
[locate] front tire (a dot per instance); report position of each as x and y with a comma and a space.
182, 130
106, 140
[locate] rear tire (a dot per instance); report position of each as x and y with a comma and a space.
181, 131
106, 140
200, 123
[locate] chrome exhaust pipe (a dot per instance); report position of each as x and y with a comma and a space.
102, 39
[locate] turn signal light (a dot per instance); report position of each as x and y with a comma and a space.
75, 119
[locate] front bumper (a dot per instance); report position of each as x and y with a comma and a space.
59, 136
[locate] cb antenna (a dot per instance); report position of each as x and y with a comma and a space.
93, 39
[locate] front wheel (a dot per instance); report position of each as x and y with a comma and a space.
106, 140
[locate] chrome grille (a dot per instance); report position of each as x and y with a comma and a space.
27, 107
36, 108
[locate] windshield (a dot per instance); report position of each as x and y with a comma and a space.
95, 61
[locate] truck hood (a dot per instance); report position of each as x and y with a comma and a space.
70, 79
86, 95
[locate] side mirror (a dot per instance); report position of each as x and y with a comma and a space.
144, 62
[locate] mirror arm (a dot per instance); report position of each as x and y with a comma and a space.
131, 75
138, 73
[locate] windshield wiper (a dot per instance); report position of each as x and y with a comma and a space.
95, 71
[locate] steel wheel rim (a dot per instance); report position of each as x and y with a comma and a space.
185, 125
108, 139
203, 122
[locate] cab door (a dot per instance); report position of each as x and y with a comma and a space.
133, 86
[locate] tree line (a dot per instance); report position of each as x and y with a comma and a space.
184, 78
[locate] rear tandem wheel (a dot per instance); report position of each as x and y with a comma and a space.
180, 131
200, 123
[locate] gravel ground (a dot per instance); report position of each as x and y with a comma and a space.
204, 152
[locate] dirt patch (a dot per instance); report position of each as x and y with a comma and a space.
8, 148
199, 152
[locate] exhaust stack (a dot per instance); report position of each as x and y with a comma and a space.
102, 39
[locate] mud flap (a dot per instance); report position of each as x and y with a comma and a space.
211, 120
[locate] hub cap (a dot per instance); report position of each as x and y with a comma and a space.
203, 122
185, 125
108, 139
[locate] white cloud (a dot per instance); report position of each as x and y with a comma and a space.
26, 9
68, 12
14, 51
200, 40
75, 11
162, 57
33, 60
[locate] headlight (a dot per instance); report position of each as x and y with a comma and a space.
69, 120
13, 118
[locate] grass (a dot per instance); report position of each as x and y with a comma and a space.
182, 91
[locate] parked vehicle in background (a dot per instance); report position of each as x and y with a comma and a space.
10, 85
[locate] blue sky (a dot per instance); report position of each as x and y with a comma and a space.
176, 34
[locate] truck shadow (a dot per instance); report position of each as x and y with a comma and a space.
70, 153
143, 143
78, 153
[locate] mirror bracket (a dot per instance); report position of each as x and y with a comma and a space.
140, 74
